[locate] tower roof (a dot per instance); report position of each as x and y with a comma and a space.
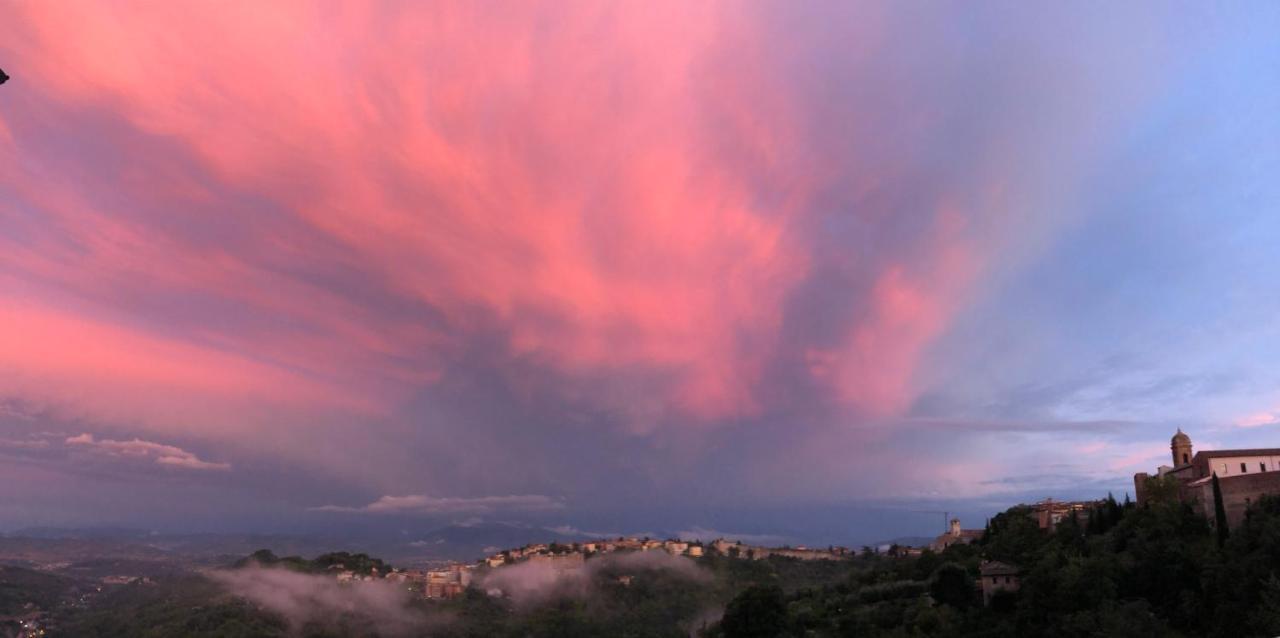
1180, 438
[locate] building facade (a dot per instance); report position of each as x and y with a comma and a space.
1049, 513
954, 536
997, 577
1243, 477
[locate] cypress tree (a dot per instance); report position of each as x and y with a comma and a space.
1219, 512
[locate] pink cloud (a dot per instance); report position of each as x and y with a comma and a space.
620, 189
1258, 419
84, 366
1092, 447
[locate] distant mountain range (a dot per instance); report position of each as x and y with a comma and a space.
458, 541
461, 541
80, 533
473, 541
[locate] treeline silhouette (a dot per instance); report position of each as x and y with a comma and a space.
1156, 570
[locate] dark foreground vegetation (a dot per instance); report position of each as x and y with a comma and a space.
1159, 570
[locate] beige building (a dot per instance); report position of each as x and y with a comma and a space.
447, 583
560, 562
996, 577
954, 536
1049, 513
1243, 477
802, 553
723, 546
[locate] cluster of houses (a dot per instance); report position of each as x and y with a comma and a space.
447, 582
450, 581
1241, 477
995, 576
734, 549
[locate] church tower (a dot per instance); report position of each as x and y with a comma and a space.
1181, 447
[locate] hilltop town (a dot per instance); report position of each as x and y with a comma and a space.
1104, 566
1188, 480
453, 578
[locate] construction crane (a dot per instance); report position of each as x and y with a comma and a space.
946, 517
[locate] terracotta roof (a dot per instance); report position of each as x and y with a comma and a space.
1210, 454
1233, 477
997, 568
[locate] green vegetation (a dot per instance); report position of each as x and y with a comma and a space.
1122, 570
22, 589
358, 563
1159, 570
187, 606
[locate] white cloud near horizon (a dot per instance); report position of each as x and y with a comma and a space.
167, 455
423, 504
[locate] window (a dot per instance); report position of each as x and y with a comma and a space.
1244, 468
1262, 467
1185, 460
1006, 580
1224, 469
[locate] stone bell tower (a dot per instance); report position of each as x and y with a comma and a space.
1181, 448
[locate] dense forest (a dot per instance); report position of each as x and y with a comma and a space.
1157, 570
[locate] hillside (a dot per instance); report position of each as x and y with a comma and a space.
1159, 570
1126, 571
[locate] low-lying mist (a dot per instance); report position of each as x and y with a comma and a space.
531, 582
607, 587
305, 599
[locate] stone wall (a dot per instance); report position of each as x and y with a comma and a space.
1237, 493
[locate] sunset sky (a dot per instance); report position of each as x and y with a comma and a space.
813, 270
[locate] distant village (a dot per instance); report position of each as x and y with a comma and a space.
1241, 476
451, 580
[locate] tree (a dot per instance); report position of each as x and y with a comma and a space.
952, 586
758, 612
1266, 618
925, 564
1013, 536
1219, 512
1159, 490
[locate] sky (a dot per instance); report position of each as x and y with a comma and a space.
819, 271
